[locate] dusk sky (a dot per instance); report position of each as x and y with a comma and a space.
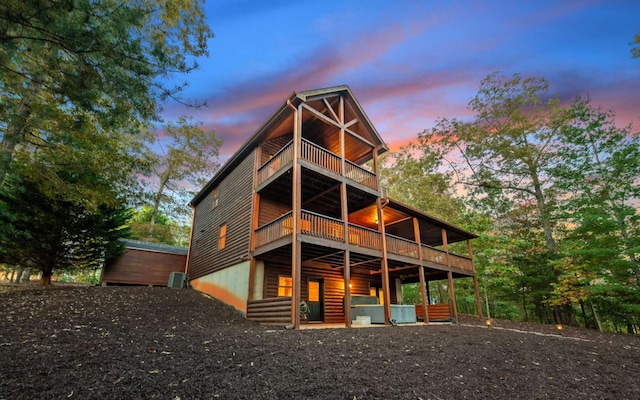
408, 62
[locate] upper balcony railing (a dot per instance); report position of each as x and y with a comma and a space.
322, 226
278, 161
360, 175
319, 156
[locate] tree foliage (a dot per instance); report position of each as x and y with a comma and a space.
98, 65
553, 192
635, 49
50, 235
189, 156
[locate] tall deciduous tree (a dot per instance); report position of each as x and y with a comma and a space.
189, 156
412, 176
598, 179
502, 158
508, 147
65, 61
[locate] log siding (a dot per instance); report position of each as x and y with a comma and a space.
234, 210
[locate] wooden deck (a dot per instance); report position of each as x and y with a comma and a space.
318, 156
323, 227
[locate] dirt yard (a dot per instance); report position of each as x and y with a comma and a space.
131, 343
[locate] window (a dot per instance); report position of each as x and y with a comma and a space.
216, 197
314, 291
285, 286
222, 237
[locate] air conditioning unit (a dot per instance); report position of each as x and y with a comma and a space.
177, 279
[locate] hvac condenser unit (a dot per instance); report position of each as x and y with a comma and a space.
177, 279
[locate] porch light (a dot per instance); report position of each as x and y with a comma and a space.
559, 328
350, 285
488, 323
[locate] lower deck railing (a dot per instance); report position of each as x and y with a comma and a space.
322, 226
437, 312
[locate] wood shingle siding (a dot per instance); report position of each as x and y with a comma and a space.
234, 210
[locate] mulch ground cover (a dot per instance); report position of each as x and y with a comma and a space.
130, 343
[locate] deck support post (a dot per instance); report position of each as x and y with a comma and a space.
423, 289
296, 246
476, 290
385, 265
186, 265
347, 289
452, 296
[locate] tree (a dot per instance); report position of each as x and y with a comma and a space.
141, 229
412, 176
635, 51
598, 179
190, 157
54, 235
508, 147
502, 157
64, 62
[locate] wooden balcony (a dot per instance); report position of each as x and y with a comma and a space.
324, 227
279, 161
319, 156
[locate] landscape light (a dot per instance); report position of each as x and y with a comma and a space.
559, 328
488, 323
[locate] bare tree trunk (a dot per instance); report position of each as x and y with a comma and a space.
596, 318
156, 203
486, 303
584, 314
26, 275
45, 279
440, 292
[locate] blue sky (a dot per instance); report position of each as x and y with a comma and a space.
407, 62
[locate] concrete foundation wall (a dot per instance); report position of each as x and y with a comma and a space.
230, 285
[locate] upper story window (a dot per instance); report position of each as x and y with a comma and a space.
216, 197
222, 237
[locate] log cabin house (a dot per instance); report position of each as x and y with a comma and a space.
297, 215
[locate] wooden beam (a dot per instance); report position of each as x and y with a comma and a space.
255, 216
321, 116
364, 262
452, 296
396, 269
330, 109
476, 291
398, 221
296, 245
360, 138
347, 289
348, 124
319, 195
193, 224
385, 264
423, 289
325, 256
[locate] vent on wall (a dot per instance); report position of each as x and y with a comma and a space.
176, 280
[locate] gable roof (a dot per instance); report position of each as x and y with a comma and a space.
155, 247
283, 113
